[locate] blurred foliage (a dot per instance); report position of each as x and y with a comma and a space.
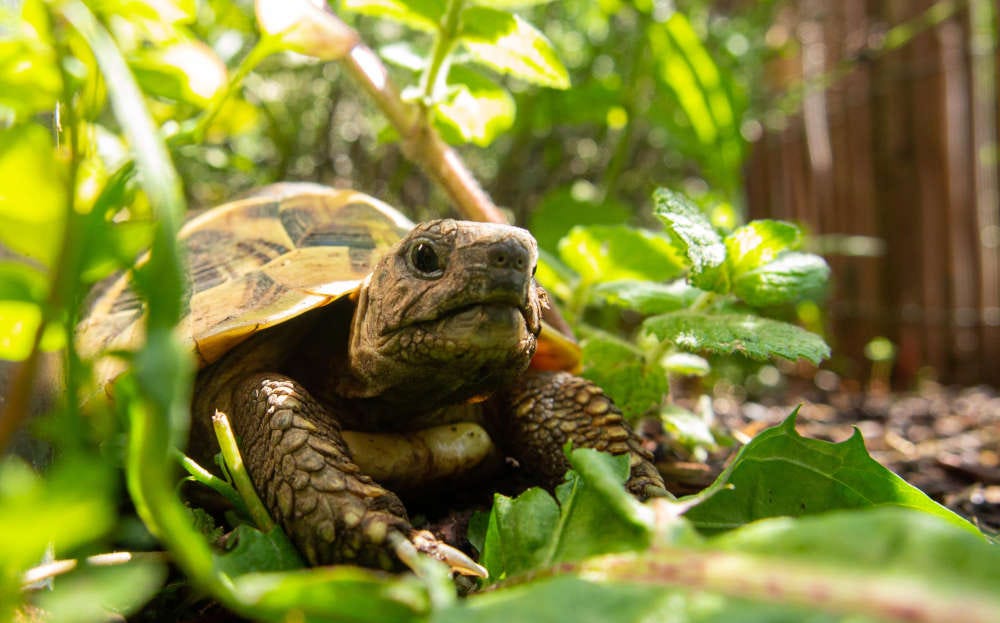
117, 115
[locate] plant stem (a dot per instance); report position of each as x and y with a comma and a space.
234, 462
444, 42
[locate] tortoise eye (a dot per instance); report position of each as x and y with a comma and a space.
425, 259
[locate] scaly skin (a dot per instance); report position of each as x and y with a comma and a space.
426, 333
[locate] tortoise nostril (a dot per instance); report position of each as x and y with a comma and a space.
508, 254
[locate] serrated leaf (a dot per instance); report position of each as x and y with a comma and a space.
475, 109
601, 253
724, 334
758, 243
616, 367
695, 238
648, 297
782, 473
420, 14
508, 44
791, 278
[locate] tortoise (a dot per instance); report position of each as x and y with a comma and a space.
345, 343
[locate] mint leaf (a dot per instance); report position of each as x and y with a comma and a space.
648, 297
791, 278
724, 334
695, 238
420, 14
758, 243
508, 44
619, 370
601, 253
782, 473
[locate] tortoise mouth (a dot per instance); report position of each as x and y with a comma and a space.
496, 305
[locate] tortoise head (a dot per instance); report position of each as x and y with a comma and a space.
451, 313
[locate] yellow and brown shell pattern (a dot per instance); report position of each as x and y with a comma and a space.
254, 263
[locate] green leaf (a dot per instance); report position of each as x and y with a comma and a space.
782, 473
622, 372
29, 71
183, 71
595, 516
508, 44
648, 297
32, 193
791, 278
559, 210
509, 4
341, 593
758, 243
475, 109
888, 542
724, 334
92, 593
519, 534
695, 238
686, 364
420, 14
20, 282
601, 253
256, 551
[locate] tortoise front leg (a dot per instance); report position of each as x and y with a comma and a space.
546, 409
303, 471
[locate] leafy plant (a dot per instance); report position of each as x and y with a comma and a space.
99, 101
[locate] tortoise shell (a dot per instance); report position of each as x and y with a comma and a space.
259, 261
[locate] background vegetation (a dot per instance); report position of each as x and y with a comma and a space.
616, 131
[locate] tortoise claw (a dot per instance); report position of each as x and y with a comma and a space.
421, 541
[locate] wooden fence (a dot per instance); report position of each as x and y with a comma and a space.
901, 148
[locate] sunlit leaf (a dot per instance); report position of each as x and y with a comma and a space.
509, 4
475, 108
187, 71
560, 210
92, 593
725, 334
506, 43
695, 238
32, 192
610, 252
420, 14
648, 297
29, 74
758, 243
791, 278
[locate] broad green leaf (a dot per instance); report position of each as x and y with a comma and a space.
509, 4
616, 367
695, 238
559, 210
758, 243
20, 282
598, 515
256, 551
782, 473
601, 253
686, 364
32, 193
475, 109
185, 71
595, 515
724, 334
92, 593
420, 14
889, 542
19, 322
508, 44
648, 297
339, 593
519, 534
554, 276
791, 278
687, 428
